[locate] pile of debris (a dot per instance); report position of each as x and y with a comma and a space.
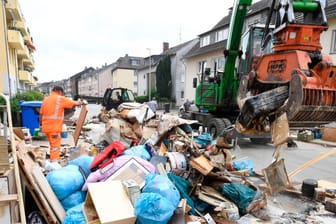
156, 169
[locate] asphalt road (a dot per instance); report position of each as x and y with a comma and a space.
262, 155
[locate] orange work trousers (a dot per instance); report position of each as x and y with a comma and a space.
55, 145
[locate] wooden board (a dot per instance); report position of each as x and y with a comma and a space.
48, 192
312, 161
79, 123
26, 164
5, 214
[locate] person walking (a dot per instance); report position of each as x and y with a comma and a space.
153, 105
186, 105
52, 118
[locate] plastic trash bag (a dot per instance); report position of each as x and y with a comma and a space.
239, 194
153, 208
139, 151
159, 184
65, 181
84, 162
74, 215
243, 165
73, 199
203, 139
183, 186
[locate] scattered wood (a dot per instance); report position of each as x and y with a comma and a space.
26, 164
79, 123
311, 162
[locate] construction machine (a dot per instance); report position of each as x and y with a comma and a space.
280, 69
112, 98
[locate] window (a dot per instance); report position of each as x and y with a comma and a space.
135, 61
201, 66
135, 83
205, 40
182, 94
218, 63
333, 42
221, 35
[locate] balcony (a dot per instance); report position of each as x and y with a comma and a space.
29, 62
23, 28
24, 54
15, 39
13, 10
25, 76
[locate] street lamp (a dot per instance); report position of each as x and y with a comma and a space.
149, 75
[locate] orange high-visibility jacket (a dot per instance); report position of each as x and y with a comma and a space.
52, 112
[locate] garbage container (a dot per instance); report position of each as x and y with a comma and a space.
30, 111
166, 107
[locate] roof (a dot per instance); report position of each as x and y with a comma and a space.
254, 9
173, 50
126, 63
85, 71
224, 22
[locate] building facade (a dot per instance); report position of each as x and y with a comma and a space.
16, 50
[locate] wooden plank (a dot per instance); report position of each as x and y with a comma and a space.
48, 192
26, 164
5, 214
8, 198
311, 162
79, 123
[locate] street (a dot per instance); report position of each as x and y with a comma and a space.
261, 155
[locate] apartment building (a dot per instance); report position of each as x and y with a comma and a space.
16, 50
124, 73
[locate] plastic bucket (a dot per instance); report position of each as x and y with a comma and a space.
64, 134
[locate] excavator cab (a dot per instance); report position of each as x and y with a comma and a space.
251, 48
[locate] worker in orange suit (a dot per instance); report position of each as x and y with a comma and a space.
52, 118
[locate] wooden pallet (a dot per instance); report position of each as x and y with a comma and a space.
49, 206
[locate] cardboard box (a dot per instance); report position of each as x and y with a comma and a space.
107, 203
329, 134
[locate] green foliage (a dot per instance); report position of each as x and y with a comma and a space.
141, 99
163, 78
164, 100
26, 96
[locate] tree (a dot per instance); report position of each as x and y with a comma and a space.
163, 78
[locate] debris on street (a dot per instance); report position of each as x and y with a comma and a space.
158, 169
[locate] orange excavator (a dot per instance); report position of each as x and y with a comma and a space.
295, 77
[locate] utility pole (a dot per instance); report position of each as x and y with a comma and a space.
149, 75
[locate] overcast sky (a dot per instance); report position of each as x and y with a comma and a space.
71, 34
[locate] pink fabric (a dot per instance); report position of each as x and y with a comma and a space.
102, 174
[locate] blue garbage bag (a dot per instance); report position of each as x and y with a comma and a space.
153, 208
183, 186
159, 184
65, 181
78, 197
243, 165
239, 194
203, 139
74, 215
84, 162
139, 151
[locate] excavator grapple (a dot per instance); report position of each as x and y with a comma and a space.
295, 64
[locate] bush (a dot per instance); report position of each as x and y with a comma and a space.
141, 99
26, 96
